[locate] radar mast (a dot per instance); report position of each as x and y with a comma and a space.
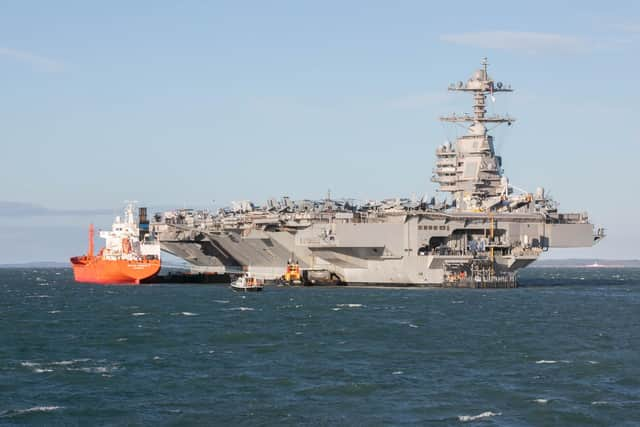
469, 169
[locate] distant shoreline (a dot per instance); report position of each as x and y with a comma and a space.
587, 263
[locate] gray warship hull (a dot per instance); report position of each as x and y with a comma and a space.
412, 248
480, 237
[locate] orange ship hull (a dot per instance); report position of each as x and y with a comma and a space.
95, 269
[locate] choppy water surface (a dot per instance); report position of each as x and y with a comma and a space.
564, 349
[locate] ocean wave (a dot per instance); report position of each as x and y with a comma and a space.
70, 362
487, 414
542, 401
350, 305
411, 325
139, 314
42, 370
550, 362
54, 312
94, 369
221, 301
29, 364
16, 412
397, 373
241, 309
187, 313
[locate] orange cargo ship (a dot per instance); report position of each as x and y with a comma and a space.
128, 257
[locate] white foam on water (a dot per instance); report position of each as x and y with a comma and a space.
39, 296
221, 301
94, 369
545, 362
487, 414
298, 333
43, 284
55, 311
157, 358
336, 309
187, 313
541, 401
241, 309
122, 339
397, 373
139, 314
350, 305
411, 325
42, 370
599, 402
593, 362
39, 409
29, 364
64, 362
457, 302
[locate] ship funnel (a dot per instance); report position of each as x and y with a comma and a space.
143, 223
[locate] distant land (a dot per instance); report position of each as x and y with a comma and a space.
37, 264
587, 262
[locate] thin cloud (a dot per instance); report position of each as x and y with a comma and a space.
417, 101
20, 209
36, 61
528, 42
629, 28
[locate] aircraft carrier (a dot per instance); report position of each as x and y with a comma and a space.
480, 236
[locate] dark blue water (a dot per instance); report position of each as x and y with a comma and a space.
564, 349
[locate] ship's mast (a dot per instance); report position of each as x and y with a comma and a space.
480, 85
469, 169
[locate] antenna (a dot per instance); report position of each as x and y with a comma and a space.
481, 85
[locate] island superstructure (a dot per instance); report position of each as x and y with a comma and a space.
480, 237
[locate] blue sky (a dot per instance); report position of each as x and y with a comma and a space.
185, 103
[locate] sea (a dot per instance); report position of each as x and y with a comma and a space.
563, 349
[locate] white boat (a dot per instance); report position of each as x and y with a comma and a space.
246, 283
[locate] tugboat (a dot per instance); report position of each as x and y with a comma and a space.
246, 283
129, 256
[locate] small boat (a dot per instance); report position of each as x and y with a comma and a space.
246, 283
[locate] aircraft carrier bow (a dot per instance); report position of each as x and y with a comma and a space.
480, 237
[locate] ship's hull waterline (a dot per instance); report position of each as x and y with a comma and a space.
95, 270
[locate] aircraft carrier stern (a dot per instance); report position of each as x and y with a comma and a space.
479, 237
